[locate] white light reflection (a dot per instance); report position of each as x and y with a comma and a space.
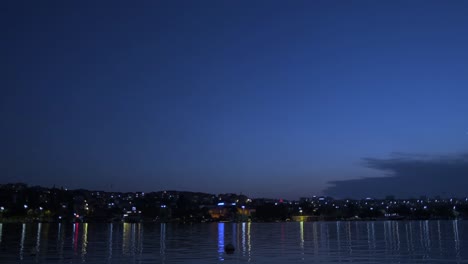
221, 241
369, 240
407, 236
421, 234
390, 234
357, 233
133, 235
397, 231
59, 231
38, 237
111, 231
249, 245
456, 238
373, 235
427, 238
1, 232
23, 233
315, 236
323, 235
350, 247
411, 235
60, 241
440, 235
370, 235
386, 234
338, 235
162, 242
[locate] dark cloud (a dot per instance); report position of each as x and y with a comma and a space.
409, 176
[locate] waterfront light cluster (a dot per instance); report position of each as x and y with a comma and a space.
18, 202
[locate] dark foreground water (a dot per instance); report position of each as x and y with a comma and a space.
309, 242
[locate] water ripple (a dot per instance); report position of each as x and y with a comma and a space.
297, 242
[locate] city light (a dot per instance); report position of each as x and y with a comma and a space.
307, 207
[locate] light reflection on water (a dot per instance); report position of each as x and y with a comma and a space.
84, 242
109, 243
307, 242
162, 242
23, 234
221, 241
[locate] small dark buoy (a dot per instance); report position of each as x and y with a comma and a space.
229, 249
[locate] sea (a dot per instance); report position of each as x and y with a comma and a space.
433, 241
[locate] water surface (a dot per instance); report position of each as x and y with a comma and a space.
296, 242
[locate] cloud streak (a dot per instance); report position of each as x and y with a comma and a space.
408, 176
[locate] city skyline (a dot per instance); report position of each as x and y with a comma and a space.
268, 99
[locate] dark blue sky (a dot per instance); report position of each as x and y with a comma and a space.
266, 98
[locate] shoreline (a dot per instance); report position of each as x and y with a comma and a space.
28, 221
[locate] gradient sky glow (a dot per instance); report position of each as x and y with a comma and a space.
266, 98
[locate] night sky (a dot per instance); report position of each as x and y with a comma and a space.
265, 98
